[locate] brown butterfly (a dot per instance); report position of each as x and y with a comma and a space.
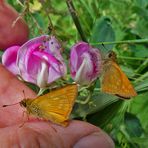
55, 106
114, 81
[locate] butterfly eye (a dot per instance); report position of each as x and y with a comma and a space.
23, 103
110, 55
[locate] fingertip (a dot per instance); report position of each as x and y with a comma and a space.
81, 134
95, 140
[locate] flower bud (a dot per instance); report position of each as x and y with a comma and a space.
85, 63
38, 61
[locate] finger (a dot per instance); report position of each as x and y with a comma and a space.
11, 90
78, 135
2, 2
11, 33
83, 135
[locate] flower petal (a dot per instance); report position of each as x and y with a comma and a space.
39, 60
85, 63
83, 75
9, 59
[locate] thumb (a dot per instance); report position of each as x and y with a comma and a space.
83, 135
44, 134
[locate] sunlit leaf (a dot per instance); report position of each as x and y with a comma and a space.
103, 32
133, 125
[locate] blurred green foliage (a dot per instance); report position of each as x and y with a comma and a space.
103, 21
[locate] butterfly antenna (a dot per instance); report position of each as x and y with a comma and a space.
108, 51
10, 104
24, 94
104, 47
14, 103
24, 121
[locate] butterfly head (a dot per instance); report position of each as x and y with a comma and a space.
23, 103
112, 56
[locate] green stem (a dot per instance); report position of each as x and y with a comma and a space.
131, 58
142, 66
41, 91
124, 132
51, 29
75, 18
83, 102
36, 24
90, 92
122, 42
140, 79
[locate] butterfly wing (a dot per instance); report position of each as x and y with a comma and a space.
55, 106
115, 82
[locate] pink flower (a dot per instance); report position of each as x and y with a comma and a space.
38, 61
85, 63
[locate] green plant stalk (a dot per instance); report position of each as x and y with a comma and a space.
142, 66
86, 7
75, 18
141, 78
51, 29
41, 91
122, 42
124, 132
85, 101
131, 58
37, 24
90, 90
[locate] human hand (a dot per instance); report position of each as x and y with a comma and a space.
37, 133
11, 35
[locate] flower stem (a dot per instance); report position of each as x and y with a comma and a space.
90, 92
122, 42
142, 66
140, 79
41, 91
75, 18
51, 29
85, 101
131, 58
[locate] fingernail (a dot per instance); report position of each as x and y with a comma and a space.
95, 140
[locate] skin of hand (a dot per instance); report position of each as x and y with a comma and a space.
38, 133
34, 133
11, 35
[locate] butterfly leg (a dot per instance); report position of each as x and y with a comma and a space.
24, 118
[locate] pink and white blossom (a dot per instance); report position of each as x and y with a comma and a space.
85, 63
38, 61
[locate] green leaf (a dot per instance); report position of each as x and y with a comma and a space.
1, 52
142, 142
104, 117
142, 86
133, 125
140, 51
98, 102
141, 3
39, 19
139, 108
103, 32
143, 13
32, 86
141, 28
